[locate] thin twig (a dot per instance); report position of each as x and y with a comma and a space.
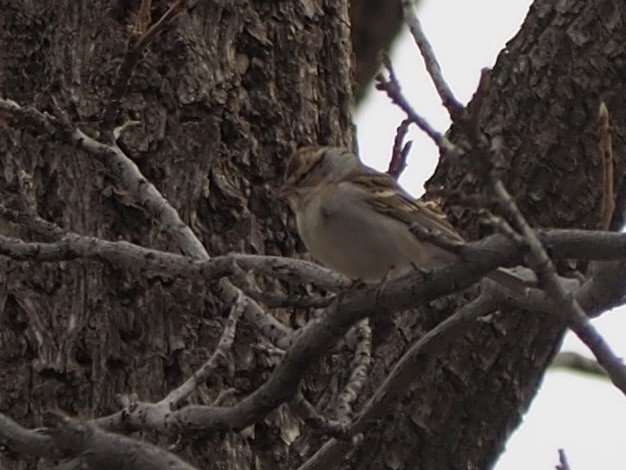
32, 222
128, 173
563, 463
136, 47
575, 362
393, 90
322, 424
572, 312
400, 150
176, 396
404, 372
453, 106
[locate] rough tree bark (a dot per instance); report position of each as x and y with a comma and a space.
222, 97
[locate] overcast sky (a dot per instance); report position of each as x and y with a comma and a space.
584, 416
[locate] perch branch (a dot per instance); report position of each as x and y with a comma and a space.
121, 253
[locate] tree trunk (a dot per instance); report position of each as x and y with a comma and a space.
223, 96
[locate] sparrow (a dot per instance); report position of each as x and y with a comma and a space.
357, 221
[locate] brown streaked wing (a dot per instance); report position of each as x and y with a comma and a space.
390, 199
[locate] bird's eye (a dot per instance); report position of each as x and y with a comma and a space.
301, 178
305, 174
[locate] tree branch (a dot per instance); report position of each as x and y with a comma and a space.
575, 362
448, 100
570, 309
101, 450
121, 253
148, 196
403, 374
561, 243
24, 441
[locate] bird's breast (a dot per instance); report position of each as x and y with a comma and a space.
358, 243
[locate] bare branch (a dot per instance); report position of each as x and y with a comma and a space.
571, 310
605, 288
32, 222
600, 292
311, 342
24, 441
99, 449
563, 464
314, 340
136, 257
136, 46
124, 169
270, 327
307, 346
400, 150
448, 100
148, 196
323, 425
393, 90
404, 372
176, 396
575, 362
562, 243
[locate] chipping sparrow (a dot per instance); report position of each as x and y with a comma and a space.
356, 220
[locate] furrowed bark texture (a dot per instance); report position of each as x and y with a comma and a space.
223, 96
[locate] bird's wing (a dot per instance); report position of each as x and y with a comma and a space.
384, 195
